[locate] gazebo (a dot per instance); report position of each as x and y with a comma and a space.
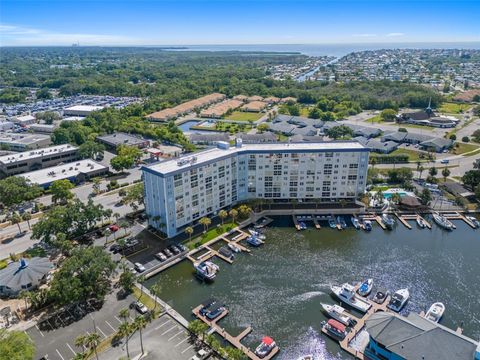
410, 203
23, 275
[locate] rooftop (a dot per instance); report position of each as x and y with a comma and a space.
84, 108
31, 154
120, 138
210, 155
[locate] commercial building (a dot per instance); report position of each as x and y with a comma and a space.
19, 163
81, 110
395, 337
254, 106
42, 128
23, 142
77, 172
111, 141
24, 120
182, 191
217, 110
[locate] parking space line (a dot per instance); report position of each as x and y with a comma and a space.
188, 348
98, 328
58, 352
40, 331
73, 351
165, 323
111, 327
181, 342
166, 331
120, 321
174, 336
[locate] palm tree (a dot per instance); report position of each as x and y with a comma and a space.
107, 214
80, 341
124, 314
189, 231
233, 214
16, 219
140, 323
125, 330
445, 174
373, 161
222, 214
205, 221
244, 210
420, 170
91, 341
155, 290
141, 280
26, 216
24, 294
116, 216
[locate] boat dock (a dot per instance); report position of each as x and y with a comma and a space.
405, 217
234, 340
404, 221
316, 223
295, 222
375, 217
458, 216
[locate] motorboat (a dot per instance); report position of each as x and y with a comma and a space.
380, 296
443, 222
206, 270
435, 312
335, 329
225, 251
332, 223
388, 221
346, 294
366, 288
398, 300
215, 311
234, 247
421, 223
265, 347
355, 222
338, 313
302, 225
254, 241
341, 221
306, 357
206, 305
368, 225
259, 235
474, 221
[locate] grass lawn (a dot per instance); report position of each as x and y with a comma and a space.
210, 234
464, 148
453, 108
304, 111
244, 116
412, 154
375, 119
145, 299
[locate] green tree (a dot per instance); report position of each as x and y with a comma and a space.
244, 210
234, 353
433, 171
465, 139
91, 149
222, 214
15, 190
43, 93
262, 127
198, 328
476, 136
339, 132
61, 190
205, 221
92, 341
16, 219
96, 185
16, 345
26, 216
233, 214
425, 197
126, 280
189, 232
125, 330
156, 289
120, 163
388, 115
134, 196
445, 174
139, 324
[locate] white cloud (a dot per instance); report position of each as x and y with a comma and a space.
364, 35
19, 35
395, 34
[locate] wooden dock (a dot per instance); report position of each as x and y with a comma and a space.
403, 221
459, 216
316, 223
234, 340
295, 221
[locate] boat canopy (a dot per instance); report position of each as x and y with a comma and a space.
267, 340
336, 324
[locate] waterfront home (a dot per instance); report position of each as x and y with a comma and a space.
26, 274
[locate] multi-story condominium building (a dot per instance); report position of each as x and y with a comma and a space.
180, 192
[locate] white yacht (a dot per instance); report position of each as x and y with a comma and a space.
338, 313
443, 222
398, 300
234, 247
257, 234
421, 223
366, 288
435, 312
474, 221
388, 221
355, 222
206, 270
346, 293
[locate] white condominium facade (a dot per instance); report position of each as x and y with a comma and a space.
179, 192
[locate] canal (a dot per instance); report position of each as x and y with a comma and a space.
279, 287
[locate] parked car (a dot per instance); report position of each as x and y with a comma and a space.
182, 247
161, 256
140, 307
115, 248
139, 267
200, 355
445, 161
174, 249
168, 253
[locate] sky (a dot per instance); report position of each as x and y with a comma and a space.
199, 22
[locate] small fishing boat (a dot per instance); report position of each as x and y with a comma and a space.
234, 247
474, 221
256, 234
380, 296
332, 223
435, 312
302, 225
341, 221
346, 294
368, 225
421, 223
335, 329
398, 300
254, 241
443, 222
206, 270
366, 288
388, 221
265, 347
338, 313
355, 222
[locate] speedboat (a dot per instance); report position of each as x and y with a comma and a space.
368, 225
342, 222
338, 313
306, 357
366, 288
474, 221
257, 234
355, 222
435, 312
302, 225
265, 347
225, 251
332, 223
380, 296
206, 270
335, 329
254, 241
346, 294
421, 222
398, 300
388, 221
234, 247
215, 311
443, 222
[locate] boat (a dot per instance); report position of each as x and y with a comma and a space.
398, 300
302, 225
341, 222
306, 357
388, 221
335, 329
355, 222
421, 223
256, 234
234, 247
474, 221
254, 241
366, 288
332, 223
443, 222
380, 296
435, 312
206, 270
265, 347
225, 251
215, 311
368, 225
338, 313
346, 294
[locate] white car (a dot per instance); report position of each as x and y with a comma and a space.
140, 307
139, 267
200, 355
